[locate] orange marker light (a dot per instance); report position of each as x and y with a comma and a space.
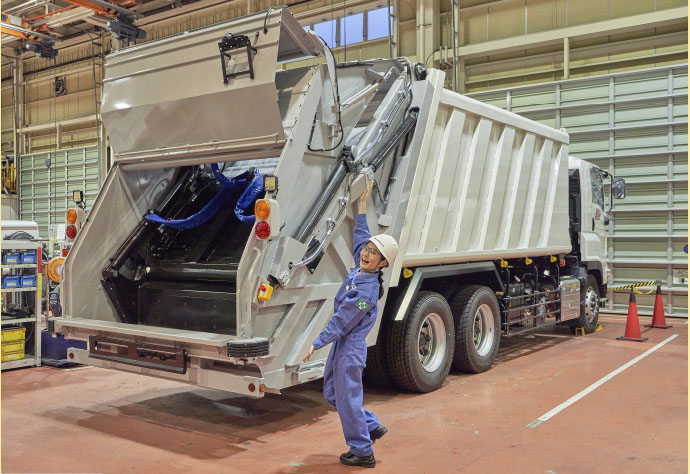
71, 216
262, 209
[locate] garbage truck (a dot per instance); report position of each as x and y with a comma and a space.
222, 232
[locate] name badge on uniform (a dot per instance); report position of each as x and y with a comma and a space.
348, 287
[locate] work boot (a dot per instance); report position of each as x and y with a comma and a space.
377, 433
350, 459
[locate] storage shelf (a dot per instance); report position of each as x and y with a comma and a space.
7, 322
18, 290
28, 361
20, 245
34, 359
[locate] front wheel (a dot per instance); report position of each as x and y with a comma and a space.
589, 313
420, 348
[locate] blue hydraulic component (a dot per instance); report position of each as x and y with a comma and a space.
254, 186
248, 196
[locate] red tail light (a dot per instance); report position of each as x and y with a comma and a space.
262, 230
71, 231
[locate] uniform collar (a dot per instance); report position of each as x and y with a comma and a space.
364, 276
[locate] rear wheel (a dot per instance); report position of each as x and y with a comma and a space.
420, 348
376, 373
478, 328
589, 313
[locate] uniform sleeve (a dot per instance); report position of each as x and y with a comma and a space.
361, 235
355, 306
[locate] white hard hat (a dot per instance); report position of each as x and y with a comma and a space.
386, 245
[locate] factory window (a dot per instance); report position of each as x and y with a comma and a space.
326, 31
352, 29
376, 23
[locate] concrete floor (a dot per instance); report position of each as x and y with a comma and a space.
90, 420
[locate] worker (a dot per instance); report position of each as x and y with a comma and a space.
356, 308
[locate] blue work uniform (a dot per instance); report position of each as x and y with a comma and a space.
355, 315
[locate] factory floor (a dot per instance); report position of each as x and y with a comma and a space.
90, 420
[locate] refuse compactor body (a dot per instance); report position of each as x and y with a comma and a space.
457, 181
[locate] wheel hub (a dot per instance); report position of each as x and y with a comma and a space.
483, 330
591, 305
432, 342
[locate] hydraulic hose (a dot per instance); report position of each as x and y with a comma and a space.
54, 268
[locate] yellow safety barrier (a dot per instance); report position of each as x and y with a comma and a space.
634, 287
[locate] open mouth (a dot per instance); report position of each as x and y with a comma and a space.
364, 261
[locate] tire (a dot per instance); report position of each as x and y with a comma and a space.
477, 329
376, 372
589, 312
420, 348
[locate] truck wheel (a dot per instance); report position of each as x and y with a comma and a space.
420, 348
478, 329
376, 372
589, 313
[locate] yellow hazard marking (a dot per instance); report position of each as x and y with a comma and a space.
642, 284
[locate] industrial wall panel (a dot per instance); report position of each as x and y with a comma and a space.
635, 125
46, 182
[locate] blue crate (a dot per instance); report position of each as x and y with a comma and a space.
11, 282
28, 257
28, 281
11, 258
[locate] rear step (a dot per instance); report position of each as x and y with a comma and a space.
129, 336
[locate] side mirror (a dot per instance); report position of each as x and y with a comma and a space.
618, 188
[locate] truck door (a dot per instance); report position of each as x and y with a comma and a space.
594, 218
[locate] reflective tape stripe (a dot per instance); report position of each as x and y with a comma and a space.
636, 285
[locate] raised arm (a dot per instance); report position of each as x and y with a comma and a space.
361, 233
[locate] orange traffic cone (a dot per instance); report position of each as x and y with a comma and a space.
632, 327
658, 318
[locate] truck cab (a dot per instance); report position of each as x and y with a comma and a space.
589, 216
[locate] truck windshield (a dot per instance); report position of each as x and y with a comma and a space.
597, 187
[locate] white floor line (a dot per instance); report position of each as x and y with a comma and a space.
546, 416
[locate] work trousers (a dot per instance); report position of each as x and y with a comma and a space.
342, 389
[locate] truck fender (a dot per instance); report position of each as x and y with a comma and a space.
407, 296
